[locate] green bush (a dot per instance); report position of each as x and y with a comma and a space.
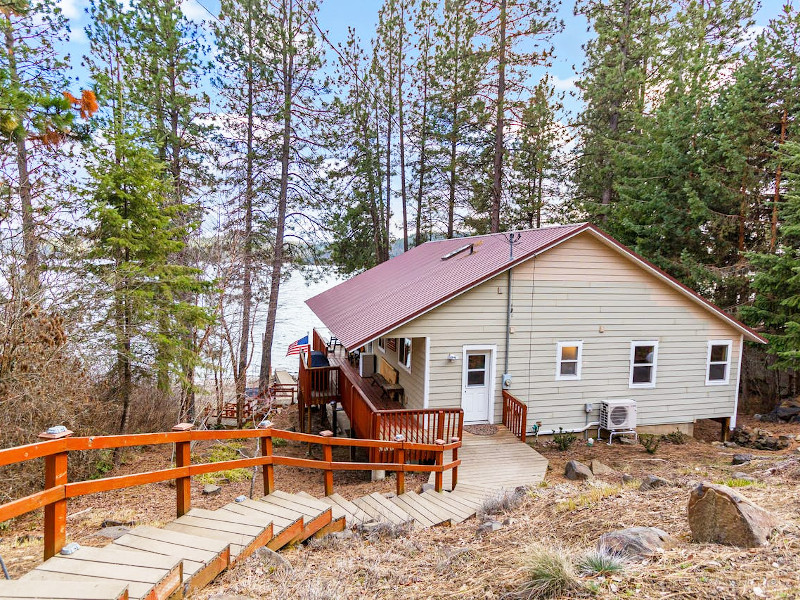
650, 442
676, 437
564, 439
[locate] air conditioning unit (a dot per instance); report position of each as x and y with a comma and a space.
618, 415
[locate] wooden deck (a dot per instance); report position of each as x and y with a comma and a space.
499, 462
372, 392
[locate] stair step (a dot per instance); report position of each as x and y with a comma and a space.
62, 590
381, 509
443, 514
433, 512
338, 511
287, 525
466, 502
244, 539
203, 558
316, 515
459, 512
302, 498
354, 515
421, 517
146, 577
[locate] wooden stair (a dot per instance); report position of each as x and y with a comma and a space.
152, 563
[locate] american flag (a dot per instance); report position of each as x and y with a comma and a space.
299, 346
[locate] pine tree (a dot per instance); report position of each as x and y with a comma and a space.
34, 116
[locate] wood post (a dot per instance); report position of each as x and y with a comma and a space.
400, 458
327, 456
183, 458
55, 514
453, 440
268, 470
726, 428
440, 425
439, 463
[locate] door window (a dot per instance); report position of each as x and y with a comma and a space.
476, 370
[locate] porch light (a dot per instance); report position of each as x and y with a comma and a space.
452, 357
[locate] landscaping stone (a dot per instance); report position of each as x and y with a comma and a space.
721, 515
599, 468
273, 558
635, 542
627, 478
759, 439
741, 459
652, 481
577, 471
628, 441
488, 526
743, 476
427, 487
113, 532
211, 490
731, 445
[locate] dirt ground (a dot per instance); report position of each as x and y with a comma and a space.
452, 562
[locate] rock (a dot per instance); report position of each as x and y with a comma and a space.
344, 534
760, 439
599, 468
211, 490
627, 478
721, 515
652, 481
635, 542
577, 471
730, 445
426, 487
741, 459
114, 532
273, 559
115, 523
742, 476
628, 441
488, 526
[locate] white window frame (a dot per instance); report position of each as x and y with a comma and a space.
711, 343
382, 344
651, 384
559, 360
401, 345
368, 348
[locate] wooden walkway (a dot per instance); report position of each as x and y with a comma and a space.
496, 462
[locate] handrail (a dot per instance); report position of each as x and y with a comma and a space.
57, 489
515, 415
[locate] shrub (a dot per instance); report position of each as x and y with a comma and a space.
502, 502
650, 442
602, 561
564, 439
549, 574
676, 437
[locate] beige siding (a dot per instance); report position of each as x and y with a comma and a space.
413, 381
570, 293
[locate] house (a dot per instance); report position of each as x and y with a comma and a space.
563, 319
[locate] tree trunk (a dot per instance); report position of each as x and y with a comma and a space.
30, 247
400, 126
277, 259
499, 145
773, 235
422, 158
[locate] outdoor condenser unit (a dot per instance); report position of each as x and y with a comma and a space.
618, 415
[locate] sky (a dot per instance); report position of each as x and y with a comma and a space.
335, 16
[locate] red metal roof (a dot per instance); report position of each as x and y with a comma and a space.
381, 299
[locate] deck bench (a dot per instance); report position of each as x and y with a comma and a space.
391, 391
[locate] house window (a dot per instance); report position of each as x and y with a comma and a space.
644, 356
367, 349
718, 363
382, 344
568, 360
404, 353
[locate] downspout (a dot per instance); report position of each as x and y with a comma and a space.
508, 317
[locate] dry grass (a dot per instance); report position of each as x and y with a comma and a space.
549, 573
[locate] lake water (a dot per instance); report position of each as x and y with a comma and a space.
294, 320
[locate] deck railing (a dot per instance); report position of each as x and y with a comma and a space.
58, 490
424, 426
515, 415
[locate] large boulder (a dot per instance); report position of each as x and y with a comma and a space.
599, 468
635, 542
577, 471
719, 514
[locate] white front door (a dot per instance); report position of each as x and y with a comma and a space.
477, 385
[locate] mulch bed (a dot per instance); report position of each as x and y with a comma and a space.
481, 429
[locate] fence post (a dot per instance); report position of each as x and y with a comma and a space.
183, 458
55, 514
439, 463
268, 470
400, 458
327, 456
453, 440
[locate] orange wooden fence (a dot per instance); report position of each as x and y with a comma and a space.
57, 489
515, 415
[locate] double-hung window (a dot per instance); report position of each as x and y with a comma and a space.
718, 362
644, 358
404, 353
568, 360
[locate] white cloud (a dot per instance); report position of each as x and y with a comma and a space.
72, 9
194, 11
565, 85
77, 35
